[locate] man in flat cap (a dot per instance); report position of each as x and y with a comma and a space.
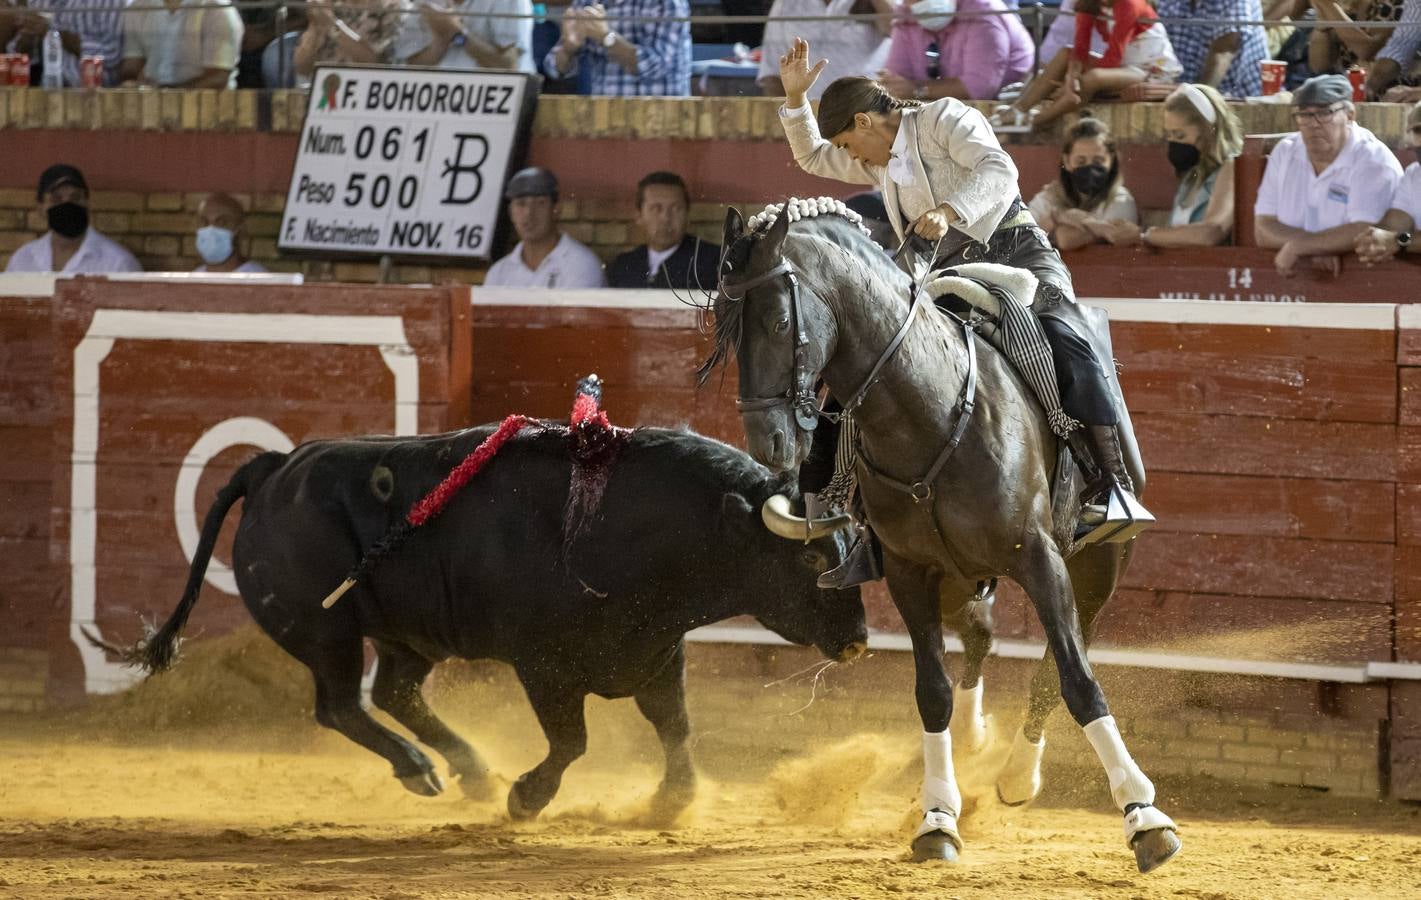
1326, 184
71, 245
1396, 231
544, 257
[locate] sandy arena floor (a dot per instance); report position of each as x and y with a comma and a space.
174, 794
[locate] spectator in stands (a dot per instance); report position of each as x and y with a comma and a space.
1205, 137
173, 43
1395, 71
852, 48
544, 257
361, 31
221, 229
1339, 48
976, 56
1325, 184
70, 245
465, 36
1222, 53
1062, 34
260, 24
670, 258
1087, 201
1395, 234
94, 30
1137, 51
632, 48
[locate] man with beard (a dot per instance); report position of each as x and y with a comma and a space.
71, 245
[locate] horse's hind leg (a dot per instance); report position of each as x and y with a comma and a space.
915, 592
1043, 575
974, 625
398, 678
1093, 573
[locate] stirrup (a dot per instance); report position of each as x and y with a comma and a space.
860, 566
1125, 518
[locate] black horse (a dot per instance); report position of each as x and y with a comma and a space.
955, 473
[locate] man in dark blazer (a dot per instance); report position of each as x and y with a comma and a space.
670, 258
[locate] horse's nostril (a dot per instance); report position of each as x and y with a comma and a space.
777, 445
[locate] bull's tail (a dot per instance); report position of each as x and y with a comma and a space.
158, 650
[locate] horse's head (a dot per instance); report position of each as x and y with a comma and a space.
782, 335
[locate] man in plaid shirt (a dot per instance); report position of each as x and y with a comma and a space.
629, 47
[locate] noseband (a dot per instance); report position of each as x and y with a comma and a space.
800, 394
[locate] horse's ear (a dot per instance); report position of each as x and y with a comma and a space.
734, 226
775, 238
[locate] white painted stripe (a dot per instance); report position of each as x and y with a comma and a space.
244, 278
283, 328
1109, 656
27, 284
1408, 316
1351, 316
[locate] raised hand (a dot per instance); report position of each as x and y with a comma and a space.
796, 74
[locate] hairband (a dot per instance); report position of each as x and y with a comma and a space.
1197, 100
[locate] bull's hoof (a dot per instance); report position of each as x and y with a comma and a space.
426, 784
935, 846
668, 803
1155, 848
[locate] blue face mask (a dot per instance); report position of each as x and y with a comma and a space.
214, 244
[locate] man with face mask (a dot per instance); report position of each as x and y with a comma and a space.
1325, 184
221, 226
980, 48
70, 246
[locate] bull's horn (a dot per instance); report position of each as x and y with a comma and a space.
781, 520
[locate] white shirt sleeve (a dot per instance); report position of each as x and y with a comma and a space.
817, 156
582, 269
1043, 210
1121, 207
1373, 186
221, 38
1275, 172
413, 36
25, 259
1408, 193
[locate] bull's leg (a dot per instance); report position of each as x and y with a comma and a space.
1043, 576
663, 702
337, 669
974, 626
1093, 573
915, 592
398, 678
559, 709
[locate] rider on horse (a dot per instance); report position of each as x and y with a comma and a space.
945, 178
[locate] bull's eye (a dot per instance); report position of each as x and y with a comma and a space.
782, 326
813, 559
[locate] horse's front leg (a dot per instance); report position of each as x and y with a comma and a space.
915, 592
1042, 574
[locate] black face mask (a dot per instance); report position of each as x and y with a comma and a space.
1090, 180
68, 219
1182, 156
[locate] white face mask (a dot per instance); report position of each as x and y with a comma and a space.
934, 15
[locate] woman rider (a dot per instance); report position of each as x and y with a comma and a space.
940, 168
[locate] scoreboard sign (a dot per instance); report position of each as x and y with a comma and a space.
405, 162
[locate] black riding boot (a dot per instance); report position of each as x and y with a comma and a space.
1115, 513
863, 563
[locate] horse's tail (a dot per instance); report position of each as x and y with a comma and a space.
158, 650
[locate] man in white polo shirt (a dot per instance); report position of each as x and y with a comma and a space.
71, 244
1396, 233
544, 257
1326, 184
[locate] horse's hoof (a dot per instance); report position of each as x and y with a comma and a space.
1155, 848
934, 846
426, 784
516, 810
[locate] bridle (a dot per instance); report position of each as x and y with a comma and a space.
800, 395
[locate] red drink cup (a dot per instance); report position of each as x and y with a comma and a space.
1358, 76
91, 72
1274, 72
20, 69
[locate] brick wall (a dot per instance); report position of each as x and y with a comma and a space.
160, 230
23, 678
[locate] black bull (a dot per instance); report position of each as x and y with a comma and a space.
678, 543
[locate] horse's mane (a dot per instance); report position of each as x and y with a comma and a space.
824, 218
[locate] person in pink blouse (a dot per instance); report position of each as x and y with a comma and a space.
977, 54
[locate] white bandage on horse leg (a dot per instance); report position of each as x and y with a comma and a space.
968, 727
942, 802
1127, 783
1145, 818
1020, 779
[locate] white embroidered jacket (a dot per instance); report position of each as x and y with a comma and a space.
954, 158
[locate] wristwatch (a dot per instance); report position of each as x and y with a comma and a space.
609, 39
459, 39
1403, 239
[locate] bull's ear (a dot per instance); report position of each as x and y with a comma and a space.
734, 226
738, 517
775, 238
